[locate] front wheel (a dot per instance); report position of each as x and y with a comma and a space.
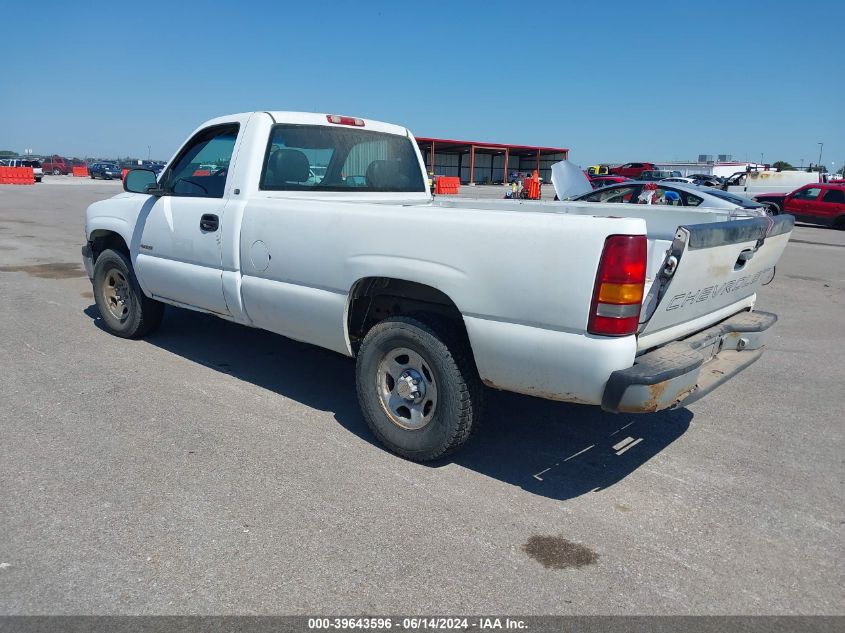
774, 208
418, 387
57, 172
126, 311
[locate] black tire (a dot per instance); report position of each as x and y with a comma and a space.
448, 361
135, 315
774, 207
57, 172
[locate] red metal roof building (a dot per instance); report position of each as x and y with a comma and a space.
476, 162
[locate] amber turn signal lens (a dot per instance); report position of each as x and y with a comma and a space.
620, 293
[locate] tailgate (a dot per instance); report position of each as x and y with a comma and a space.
709, 268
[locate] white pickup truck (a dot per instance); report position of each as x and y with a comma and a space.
321, 228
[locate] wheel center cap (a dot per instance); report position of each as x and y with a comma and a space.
410, 385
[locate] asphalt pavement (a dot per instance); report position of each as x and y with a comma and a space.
217, 469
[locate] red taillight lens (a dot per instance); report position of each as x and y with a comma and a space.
344, 120
620, 281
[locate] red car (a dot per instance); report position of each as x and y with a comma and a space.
603, 181
822, 203
56, 165
631, 170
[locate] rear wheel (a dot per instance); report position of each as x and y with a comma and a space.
126, 311
839, 223
57, 172
418, 387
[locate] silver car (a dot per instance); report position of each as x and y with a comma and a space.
673, 194
37, 172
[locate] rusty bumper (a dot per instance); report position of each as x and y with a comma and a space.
683, 371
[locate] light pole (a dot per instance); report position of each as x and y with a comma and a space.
148, 152
761, 159
821, 147
802, 163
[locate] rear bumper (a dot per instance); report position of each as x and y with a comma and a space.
681, 372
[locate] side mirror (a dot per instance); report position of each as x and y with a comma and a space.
142, 181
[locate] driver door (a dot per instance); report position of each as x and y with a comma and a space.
179, 254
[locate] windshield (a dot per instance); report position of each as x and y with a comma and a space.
319, 157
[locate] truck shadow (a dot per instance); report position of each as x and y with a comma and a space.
552, 449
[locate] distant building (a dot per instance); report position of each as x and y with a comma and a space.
723, 168
477, 162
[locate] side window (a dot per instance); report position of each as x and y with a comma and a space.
617, 194
836, 196
808, 194
691, 200
669, 197
201, 169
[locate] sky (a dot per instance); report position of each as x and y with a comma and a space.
611, 81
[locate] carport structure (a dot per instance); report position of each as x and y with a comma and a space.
477, 162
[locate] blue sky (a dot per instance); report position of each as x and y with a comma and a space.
613, 81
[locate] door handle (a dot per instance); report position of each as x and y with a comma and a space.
209, 222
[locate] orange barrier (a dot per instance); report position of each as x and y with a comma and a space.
17, 176
448, 185
123, 173
202, 172
80, 172
533, 184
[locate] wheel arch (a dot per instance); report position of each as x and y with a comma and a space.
102, 239
373, 299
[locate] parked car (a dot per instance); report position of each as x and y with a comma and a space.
516, 176
56, 165
105, 171
681, 194
706, 180
688, 181
155, 166
822, 203
654, 175
37, 170
430, 321
631, 170
603, 181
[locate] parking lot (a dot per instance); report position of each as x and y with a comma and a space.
212, 468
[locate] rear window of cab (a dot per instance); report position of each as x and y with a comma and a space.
328, 158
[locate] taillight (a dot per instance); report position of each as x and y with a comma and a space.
344, 120
618, 293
